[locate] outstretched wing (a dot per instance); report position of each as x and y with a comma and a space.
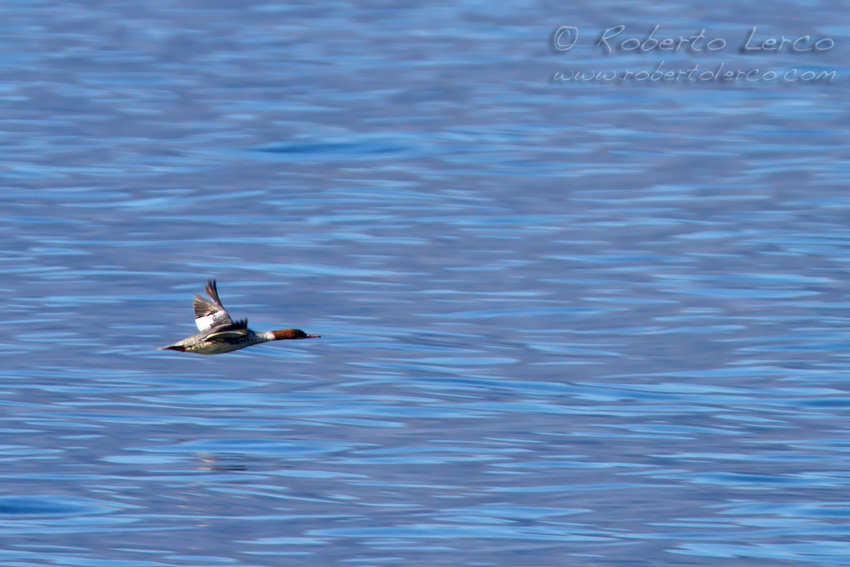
211, 314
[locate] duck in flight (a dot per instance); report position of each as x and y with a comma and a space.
218, 332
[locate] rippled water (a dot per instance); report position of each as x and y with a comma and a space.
584, 324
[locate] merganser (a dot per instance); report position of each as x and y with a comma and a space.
218, 332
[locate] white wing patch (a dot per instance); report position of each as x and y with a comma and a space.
205, 323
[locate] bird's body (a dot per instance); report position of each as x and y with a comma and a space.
219, 344
219, 334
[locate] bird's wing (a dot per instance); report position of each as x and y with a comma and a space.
233, 330
210, 314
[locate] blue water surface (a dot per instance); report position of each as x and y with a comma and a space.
562, 323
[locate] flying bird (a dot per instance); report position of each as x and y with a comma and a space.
219, 334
